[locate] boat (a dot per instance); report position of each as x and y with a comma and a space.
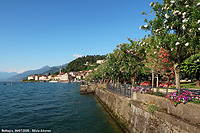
53, 81
4, 84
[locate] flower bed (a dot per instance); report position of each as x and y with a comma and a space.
149, 90
168, 85
184, 97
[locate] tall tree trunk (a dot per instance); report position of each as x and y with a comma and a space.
133, 80
197, 78
156, 80
140, 79
177, 75
152, 78
118, 79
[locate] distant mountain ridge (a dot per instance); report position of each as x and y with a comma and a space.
6, 75
25, 74
44, 70
54, 69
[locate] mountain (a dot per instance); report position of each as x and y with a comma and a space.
25, 74
6, 75
44, 70
55, 69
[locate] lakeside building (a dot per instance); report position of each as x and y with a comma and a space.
65, 77
38, 77
79, 77
51, 77
43, 78
61, 77
31, 77
72, 73
99, 61
57, 77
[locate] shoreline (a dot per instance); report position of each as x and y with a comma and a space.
117, 121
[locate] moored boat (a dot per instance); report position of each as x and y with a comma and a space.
53, 81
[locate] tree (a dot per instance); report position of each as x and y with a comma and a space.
124, 64
191, 66
157, 60
176, 26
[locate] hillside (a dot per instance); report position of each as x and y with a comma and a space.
25, 74
54, 69
6, 75
79, 63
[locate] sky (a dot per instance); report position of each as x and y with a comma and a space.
35, 33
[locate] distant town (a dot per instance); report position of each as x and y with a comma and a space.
62, 77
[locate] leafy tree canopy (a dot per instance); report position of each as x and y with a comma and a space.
80, 63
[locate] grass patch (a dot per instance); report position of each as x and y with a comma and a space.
152, 107
189, 85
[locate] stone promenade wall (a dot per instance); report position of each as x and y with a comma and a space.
134, 115
188, 112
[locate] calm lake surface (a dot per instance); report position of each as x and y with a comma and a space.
58, 107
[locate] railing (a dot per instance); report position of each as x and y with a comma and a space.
122, 89
127, 90
162, 90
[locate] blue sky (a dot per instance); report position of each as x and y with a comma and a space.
35, 33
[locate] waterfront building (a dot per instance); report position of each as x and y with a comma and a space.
57, 77
36, 77
79, 77
65, 77
99, 61
42, 77
31, 77
72, 73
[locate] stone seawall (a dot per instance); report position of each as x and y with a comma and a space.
85, 89
134, 115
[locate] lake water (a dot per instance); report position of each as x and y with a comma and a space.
55, 107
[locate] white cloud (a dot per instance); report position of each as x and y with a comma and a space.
76, 55
19, 70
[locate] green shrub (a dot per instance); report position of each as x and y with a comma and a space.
152, 107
